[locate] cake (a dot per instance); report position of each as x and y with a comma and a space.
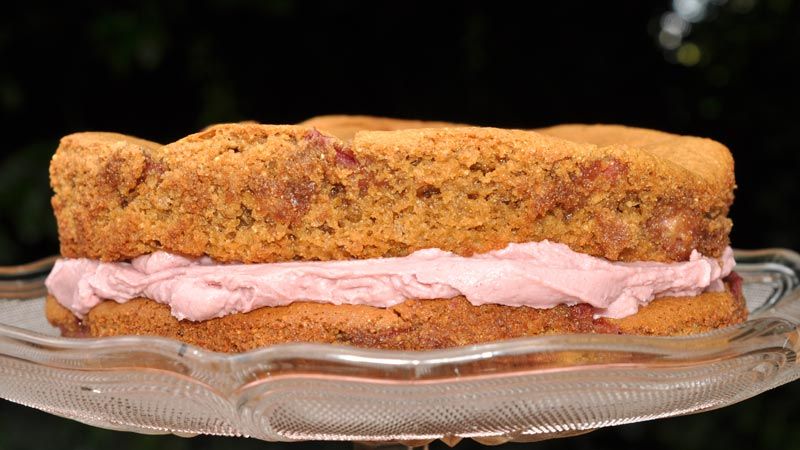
429, 210
345, 127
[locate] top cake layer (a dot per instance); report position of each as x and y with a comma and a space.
267, 193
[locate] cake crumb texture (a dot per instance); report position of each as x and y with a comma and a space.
412, 325
265, 193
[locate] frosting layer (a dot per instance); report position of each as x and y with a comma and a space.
535, 274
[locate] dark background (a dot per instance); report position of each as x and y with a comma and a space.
728, 70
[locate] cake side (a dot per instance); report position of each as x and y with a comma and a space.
615, 201
412, 325
713, 160
703, 157
262, 193
94, 175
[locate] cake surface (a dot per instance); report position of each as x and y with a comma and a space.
344, 187
345, 127
262, 193
413, 325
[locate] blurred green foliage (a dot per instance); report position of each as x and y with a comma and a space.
27, 222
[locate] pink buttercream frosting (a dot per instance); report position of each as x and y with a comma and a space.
536, 274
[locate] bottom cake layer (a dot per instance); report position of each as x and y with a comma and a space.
412, 325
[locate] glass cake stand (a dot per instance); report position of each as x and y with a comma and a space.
518, 390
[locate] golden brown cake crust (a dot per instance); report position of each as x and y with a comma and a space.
345, 127
266, 193
413, 325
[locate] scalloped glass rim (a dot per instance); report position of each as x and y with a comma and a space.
523, 389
